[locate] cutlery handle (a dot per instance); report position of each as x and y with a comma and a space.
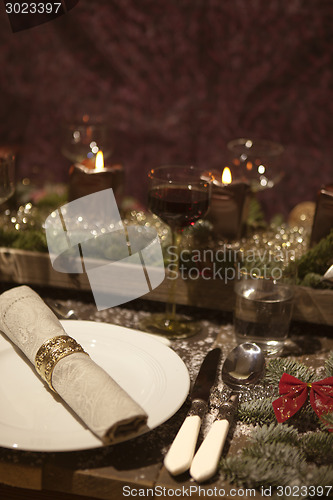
206, 459
181, 452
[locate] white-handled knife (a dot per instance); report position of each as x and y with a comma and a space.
205, 462
181, 452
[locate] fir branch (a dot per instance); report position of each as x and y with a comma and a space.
272, 464
305, 419
317, 259
315, 280
7, 237
278, 366
320, 477
256, 216
329, 365
33, 240
260, 411
257, 411
317, 447
52, 200
275, 432
281, 453
277, 456
327, 420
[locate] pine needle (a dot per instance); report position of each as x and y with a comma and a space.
326, 420
282, 454
275, 432
318, 447
278, 456
298, 452
322, 478
329, 365
278, 366
258, 411
272, 464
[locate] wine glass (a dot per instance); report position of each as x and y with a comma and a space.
7, 174
179, 196
258, 161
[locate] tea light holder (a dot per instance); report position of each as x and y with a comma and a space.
323, 218
91, 176
229, 206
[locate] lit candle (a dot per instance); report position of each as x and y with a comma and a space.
89, 177
228, 206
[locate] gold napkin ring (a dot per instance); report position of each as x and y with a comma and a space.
52, 351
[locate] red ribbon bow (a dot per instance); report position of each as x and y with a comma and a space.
294, 393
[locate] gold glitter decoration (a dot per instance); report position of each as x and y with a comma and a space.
52, 351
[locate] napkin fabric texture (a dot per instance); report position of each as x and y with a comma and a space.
107, 410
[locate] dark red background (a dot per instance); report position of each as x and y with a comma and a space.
176, 80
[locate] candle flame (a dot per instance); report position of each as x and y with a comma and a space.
226, 176
99, 162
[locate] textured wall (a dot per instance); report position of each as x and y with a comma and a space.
176, 80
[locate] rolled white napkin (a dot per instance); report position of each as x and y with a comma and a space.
107, 410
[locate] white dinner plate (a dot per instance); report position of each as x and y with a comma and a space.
32, 418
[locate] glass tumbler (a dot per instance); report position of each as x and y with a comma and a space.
264, 301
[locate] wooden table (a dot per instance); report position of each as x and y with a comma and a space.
134, 468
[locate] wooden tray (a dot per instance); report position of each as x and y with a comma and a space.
33, 268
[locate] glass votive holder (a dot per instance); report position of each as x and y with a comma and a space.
258, 161
83, 139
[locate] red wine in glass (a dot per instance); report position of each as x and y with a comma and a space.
178, 195
178, 206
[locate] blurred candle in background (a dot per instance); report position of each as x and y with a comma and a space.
229, 206
92, 175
